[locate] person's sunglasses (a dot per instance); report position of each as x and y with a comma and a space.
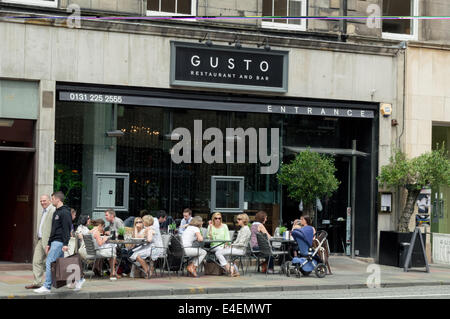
138, 222
217, 218
239, 219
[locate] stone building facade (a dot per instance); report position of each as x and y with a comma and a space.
334, 63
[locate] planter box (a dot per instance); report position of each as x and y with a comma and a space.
393, 253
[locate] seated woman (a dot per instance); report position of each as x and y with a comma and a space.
218, 231
82, 229
303, 233
105, 250
190, 235
258, 226
153, 249
238, 247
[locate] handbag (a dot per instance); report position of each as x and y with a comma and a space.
64, 269
211, 268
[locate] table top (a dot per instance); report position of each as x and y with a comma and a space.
128, 241
282, 240
208, 241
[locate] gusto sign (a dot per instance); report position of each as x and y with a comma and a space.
226, 67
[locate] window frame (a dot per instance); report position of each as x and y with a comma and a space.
402, 36
164, 13
287, 26
40, 3
223, 210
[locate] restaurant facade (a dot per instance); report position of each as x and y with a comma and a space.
154, 116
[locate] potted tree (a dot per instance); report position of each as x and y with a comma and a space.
308, 177
428, 170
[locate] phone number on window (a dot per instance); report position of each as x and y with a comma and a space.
83, 97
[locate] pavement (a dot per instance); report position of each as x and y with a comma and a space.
347, 274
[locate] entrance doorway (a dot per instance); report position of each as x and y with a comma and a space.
331, 212
16, 191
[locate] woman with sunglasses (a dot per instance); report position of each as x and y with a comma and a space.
153, 249
238, 247
217, 231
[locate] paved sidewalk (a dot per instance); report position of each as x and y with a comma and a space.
347, 274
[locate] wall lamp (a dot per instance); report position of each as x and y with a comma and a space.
208, 41
237, 43
265, 43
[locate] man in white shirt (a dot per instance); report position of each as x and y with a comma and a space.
187, 217
43, 233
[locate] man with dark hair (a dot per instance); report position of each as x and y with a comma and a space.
59, 239
187, 217
114, 222
161, 216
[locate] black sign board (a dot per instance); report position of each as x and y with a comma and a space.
303, 109
197, 65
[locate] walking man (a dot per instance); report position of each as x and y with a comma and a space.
43, 233
59, 238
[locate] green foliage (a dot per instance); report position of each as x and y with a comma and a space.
66, 180
309, 176
282, 230
173, 226
121, 231
430, 169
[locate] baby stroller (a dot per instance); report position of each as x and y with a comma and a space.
309, 259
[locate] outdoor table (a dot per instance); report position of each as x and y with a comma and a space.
121, 243
286, 245
208, 242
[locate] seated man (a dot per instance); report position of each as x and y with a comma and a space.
303, 233
115, 222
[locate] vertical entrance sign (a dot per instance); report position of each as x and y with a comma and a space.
226, 67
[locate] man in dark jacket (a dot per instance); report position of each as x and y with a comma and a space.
59, 238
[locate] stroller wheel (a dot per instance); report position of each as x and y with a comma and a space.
321, 270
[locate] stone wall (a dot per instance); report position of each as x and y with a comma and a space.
237, 8
435, 30
121, 6
427, 96
336, 8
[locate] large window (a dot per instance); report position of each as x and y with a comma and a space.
42, 3
171, 7
144, 152
284, 8
400, 29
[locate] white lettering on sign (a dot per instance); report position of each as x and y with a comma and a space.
195, 60
264, 66
247, 62
231, 63
211, 62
